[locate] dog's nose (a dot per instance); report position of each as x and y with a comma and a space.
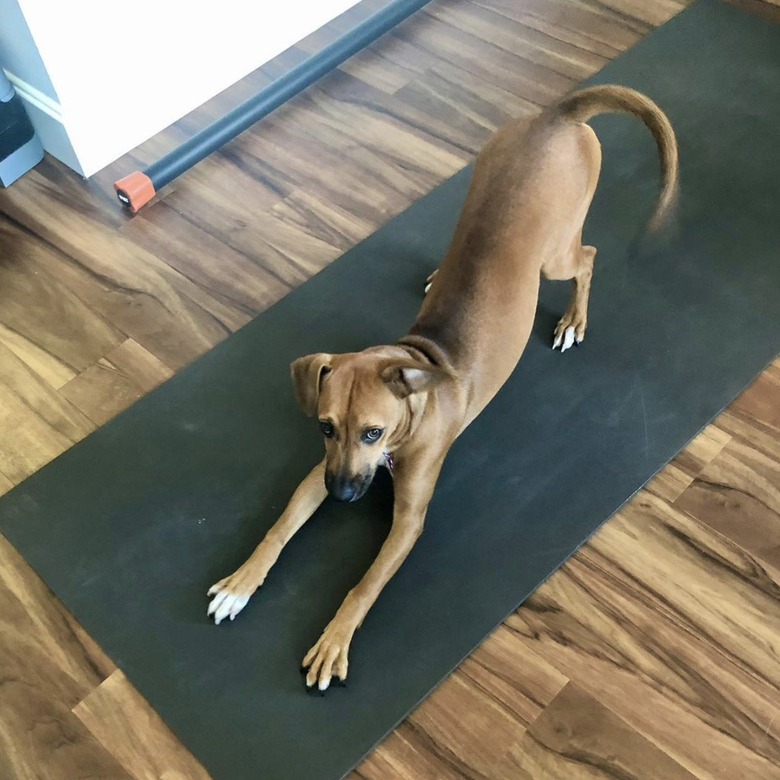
340, 487
344, 492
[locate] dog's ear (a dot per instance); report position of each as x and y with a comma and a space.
307, 373
403, 379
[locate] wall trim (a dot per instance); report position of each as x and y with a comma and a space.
46, 116
35, 97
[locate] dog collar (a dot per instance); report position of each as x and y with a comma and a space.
389, 460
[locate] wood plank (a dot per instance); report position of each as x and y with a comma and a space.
41, 629
55, 333
389, 165
428, 149
738, 494
702, 450
759, 436
672, 480
482, 710
115, 381
649, 14
459, 107
337, 227
524, 689
37, 422
578, 738
144, 298
48, 664
550, 53
41, 738
676, 630
237, 281
224, 178
387, 64
580, 25
50, 368
136, 362
669, 483
93, 201
761, 401
501, 67
406, 753
611, 24
134, 734
469, 723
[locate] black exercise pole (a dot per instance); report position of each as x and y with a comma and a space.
140, 187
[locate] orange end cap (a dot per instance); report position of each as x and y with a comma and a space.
134, 191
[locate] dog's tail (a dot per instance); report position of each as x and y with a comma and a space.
611, 98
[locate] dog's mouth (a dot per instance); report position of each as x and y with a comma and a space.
348, 488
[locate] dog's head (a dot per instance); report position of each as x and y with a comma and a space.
366, 403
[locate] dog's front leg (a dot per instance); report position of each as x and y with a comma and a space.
232, 593
413, 488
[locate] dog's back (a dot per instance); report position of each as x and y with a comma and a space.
528, 198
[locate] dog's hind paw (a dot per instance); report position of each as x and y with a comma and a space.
565, 337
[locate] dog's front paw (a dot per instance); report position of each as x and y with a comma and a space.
328, 658
231, 595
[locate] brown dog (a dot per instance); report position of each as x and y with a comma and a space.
402, 406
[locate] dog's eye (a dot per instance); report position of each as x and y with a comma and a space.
326, 428
372, 434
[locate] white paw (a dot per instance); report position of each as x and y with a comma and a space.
565, 339
225, 604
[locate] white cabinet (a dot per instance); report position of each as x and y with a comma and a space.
99, 76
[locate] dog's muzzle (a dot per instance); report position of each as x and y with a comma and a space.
347, 487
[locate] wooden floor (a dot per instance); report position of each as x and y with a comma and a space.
653, 653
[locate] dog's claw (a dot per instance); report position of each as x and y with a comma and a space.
428, 283
566, 338
226, 604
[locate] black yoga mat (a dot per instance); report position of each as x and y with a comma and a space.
132, 525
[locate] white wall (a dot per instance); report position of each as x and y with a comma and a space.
121, 72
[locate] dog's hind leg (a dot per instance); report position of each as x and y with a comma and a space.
571, 327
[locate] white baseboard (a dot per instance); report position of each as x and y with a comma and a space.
46, 117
